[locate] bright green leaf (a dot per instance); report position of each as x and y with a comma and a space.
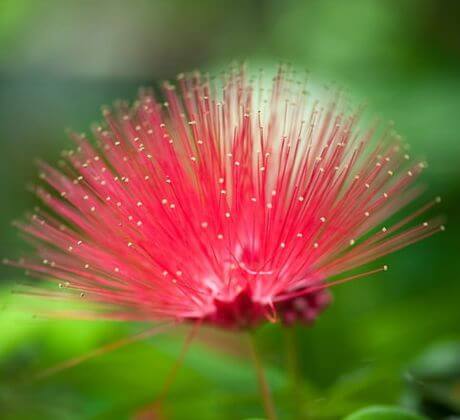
384, 413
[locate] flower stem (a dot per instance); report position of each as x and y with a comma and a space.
180, 360
261, 378
292, 365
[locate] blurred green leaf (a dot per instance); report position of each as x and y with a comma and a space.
384, 413
440, 360
433, 380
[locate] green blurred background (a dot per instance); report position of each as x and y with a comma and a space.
391, 339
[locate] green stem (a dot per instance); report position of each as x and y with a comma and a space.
179, 361
292, 365
262, 380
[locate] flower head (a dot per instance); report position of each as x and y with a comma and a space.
232, 205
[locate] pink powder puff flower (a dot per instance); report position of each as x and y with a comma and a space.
230, 202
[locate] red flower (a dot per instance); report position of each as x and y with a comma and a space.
232, 205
